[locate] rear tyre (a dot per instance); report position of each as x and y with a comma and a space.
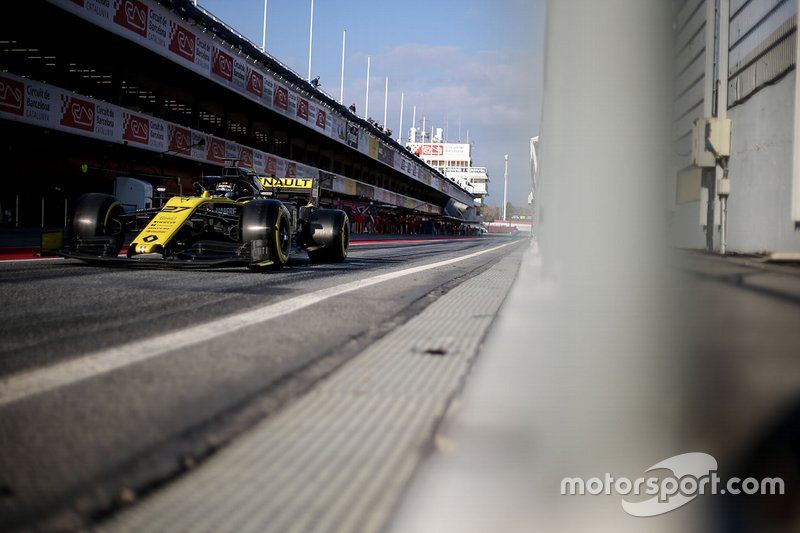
96, 216
265, 225
330, 235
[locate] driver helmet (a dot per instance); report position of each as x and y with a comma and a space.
225, 188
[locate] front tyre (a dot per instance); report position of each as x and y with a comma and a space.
265, 226
97, 224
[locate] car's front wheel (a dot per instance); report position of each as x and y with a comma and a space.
265, 226
97, 224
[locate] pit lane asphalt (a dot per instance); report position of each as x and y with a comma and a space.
73, 448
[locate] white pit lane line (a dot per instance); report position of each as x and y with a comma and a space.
32, 259
26, 384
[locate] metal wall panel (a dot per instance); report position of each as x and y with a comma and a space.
755, 23
691, 75
689, 28
682, 126
690, 72
687, 12
694, 48
688, 100
770, 59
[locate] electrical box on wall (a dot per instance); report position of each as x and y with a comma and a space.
710, 132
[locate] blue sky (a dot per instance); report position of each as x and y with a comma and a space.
470, 61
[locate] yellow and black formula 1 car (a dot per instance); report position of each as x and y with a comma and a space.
238, 217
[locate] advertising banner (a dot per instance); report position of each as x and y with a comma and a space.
352, 135
373, 148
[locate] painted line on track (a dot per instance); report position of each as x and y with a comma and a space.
23, 385
29, 259
414, 241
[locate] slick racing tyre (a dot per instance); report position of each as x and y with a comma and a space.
97, 224
329, 235
266, 227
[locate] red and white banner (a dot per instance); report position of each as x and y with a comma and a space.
222, 64
182, 42
180, 140
132, 15
442, 152
12, 99
302, 108
255, 82
135, 128
281, 97
77, 113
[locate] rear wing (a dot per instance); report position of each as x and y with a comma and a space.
271, 187
286, 188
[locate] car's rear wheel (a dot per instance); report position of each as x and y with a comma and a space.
329, 236
97, 224
265, 226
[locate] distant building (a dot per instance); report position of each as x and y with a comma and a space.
454, 160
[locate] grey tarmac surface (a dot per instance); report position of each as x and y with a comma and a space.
80, 449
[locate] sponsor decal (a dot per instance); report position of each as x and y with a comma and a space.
216, 150
11, 96
77, 113
105, 119
135, 128
180, 139
223, 209
271, 165
158, 134
340, 127
352, 135
246, 157
181, 41
281, 99
99, 9
222, 64
133, 15
291, 170
239, 74
202, 57
199, 142
289, 183
157, 29
321, 119
255, 82
385, 154
432, 149
37, 103
302, 108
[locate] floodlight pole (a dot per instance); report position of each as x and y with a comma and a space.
310, 39
386, 104
264, 31
341, 88
366, 104
400, 129
505, 188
